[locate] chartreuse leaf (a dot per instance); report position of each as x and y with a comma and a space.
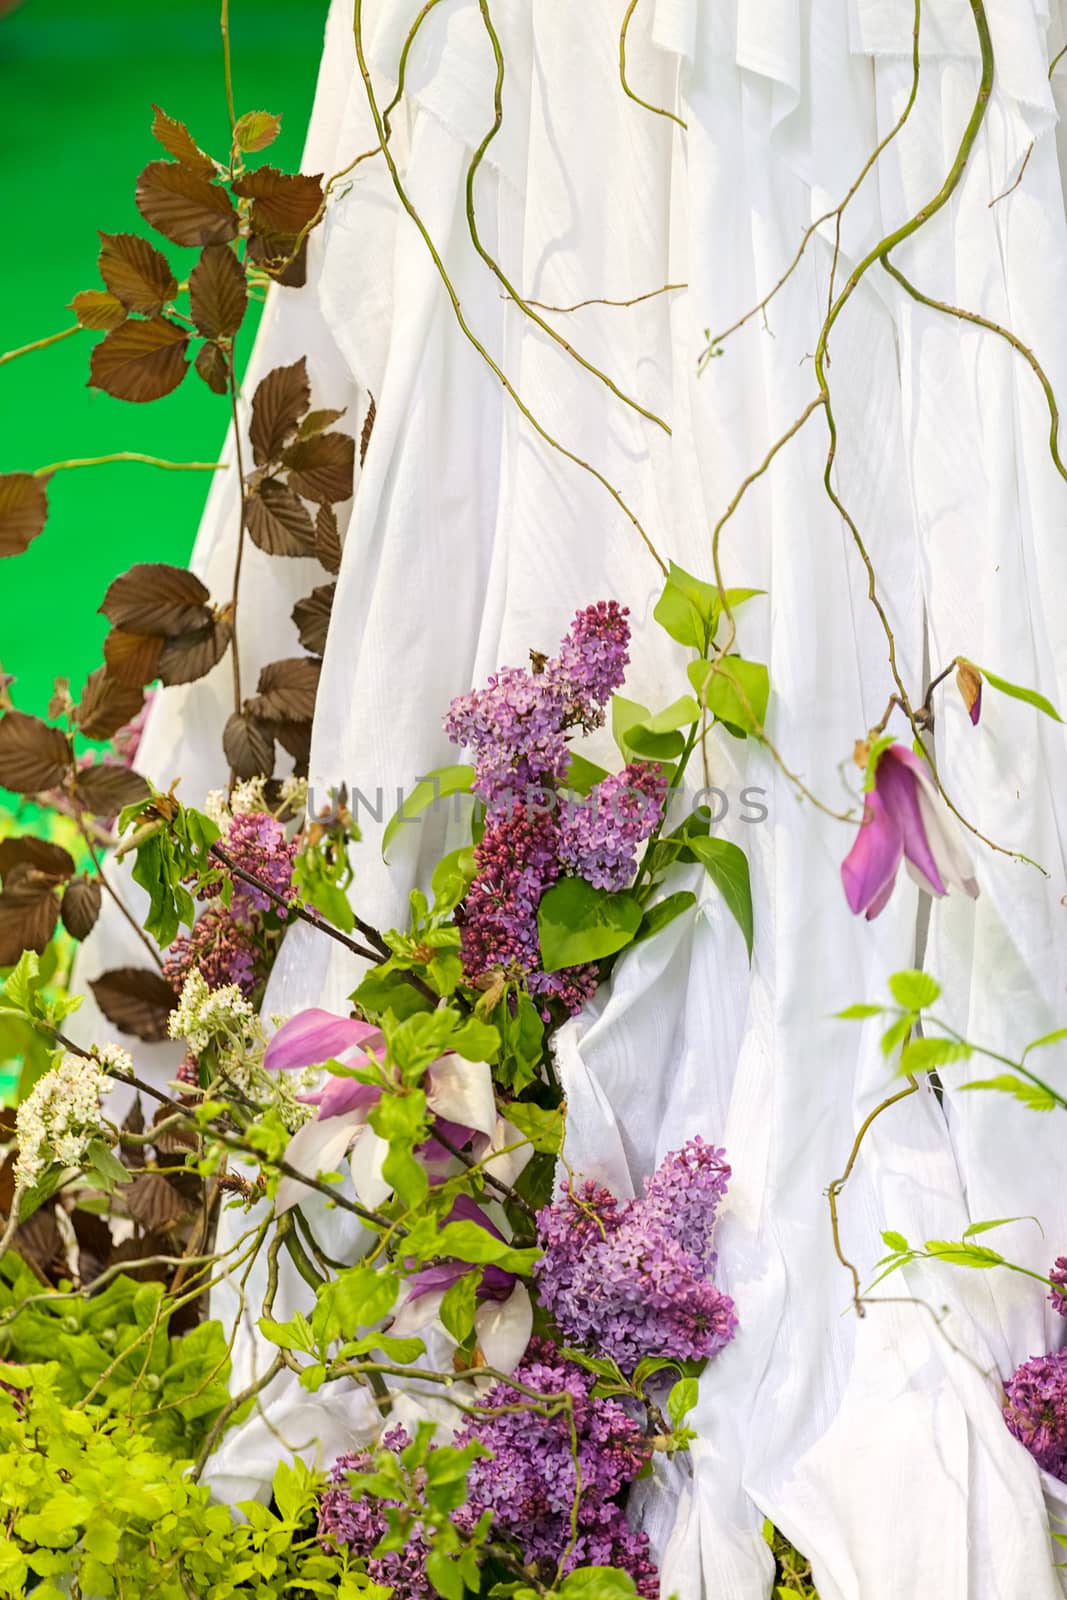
466, 1241
925, 1055
596, 1583
1033, 1095
914, 990
996, 1222
681, 1400
657, 738
689, 609
430, 790
960, 1254
626, 714
657, 917
734, 690
583, 775
727, 866
543, 1127
578, 923
459, 1305
356, 1298
895, 1241
858, 1013
1055, 1037
1017, 692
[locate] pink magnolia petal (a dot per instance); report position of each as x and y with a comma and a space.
953, 862
503, 1329
897, 784
314, 1036
341, 1095
464, 1209
869, 870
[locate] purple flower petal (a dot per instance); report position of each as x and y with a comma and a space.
869, 870
897, 785
346, 1094
464, 1209
312, 1037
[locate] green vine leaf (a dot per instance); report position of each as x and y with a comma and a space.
1016, 692
734, 690
914, 990
925, 1055
1030, 1094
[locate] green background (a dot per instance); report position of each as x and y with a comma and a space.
77, 83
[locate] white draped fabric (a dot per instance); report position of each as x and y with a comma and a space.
877, 1445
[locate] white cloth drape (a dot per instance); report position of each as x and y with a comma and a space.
876, 1445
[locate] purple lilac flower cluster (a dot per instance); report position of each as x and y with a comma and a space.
631, 1280
1035, 1410
224, 942
1058, 1279
529, 1483
361, 1523
517, 728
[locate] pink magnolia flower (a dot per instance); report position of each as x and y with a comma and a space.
905, 820
458, 1092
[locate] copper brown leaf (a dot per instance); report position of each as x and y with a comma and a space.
278, 522
33, 756
286, 690
23, 510
132, 658
368, 429
51, 861
321, 468
282, 202
278, 404
155, 1203
29, 912
140, 361
192, 655
184, 205
137, 1000
96, 309
312, 618
328, 539
178, 142
213, 366
248, 746
136, 272
106, 705
153, 597
283, 255
218, 294
294, 737
81, 907
105, 788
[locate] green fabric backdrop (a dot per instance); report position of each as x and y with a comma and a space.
77, 82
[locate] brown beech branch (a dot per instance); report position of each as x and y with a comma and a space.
39, 344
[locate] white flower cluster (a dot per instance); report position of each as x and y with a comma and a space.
295, 793
59, 1118
202, 1015
217, 807
115, 1058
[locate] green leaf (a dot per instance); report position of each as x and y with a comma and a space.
22, 985
466, 1241
925, 1055
727, 866
445, 1575
734, 690
996, 1222
657, 917
897, 1034
452, 877
356, 1298
681, 1400
295, 1334
689, 609
1054, 1037
597, 1583
896, 1241
459, 1305
578, 923
1017, 692
386, 989
960, 1254
435, 786
626, 714
858, 1013
543, 1127
914, 990
106, 1168
583, 775
1030, 1094
475, 1040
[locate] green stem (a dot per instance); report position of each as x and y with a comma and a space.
39, 344
130, 455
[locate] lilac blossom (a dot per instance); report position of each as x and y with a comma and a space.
1058, 1279
631, 1279
904, 820
223, 950
257, 842
592, 661
598, 838
361, 1522
1035, 1410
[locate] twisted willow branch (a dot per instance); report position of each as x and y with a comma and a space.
495, 267
599, 300
659, 111
469, 334
39, 344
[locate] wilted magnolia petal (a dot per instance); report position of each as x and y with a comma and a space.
969, 683
503, 1329
509, 1165
462, 1091
314, 1036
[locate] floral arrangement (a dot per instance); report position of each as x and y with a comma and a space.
528, 1342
